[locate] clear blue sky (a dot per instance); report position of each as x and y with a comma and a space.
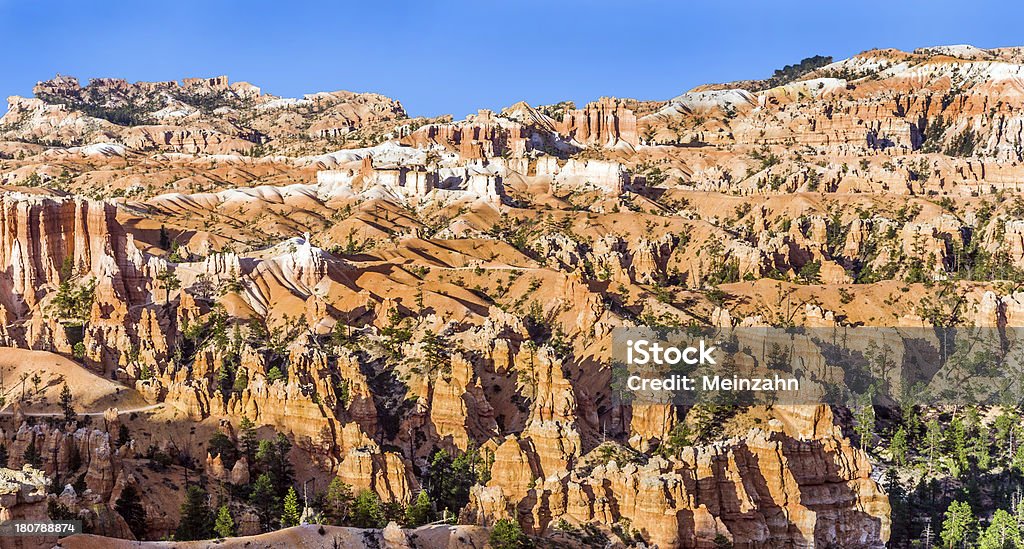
455, 57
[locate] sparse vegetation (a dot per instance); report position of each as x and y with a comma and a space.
474, 287
790, 73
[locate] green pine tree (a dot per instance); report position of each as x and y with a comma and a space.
170, 282
1017, 461
337, 502
933, 442
722, 542
864, 421
980, 449
225, 525
957, 435
196, 516
272, 458
898, 446
901, 511
451, 478
129, 506
264, 498
958, 525
1002, 533
367, 511
506, 534
291, 514
32, 455
420, 511
66, 405
247, 441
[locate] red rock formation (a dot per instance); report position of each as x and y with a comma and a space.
801, 482
459, 411
366, 466
551, 428
38, 236
99, 460
603, 123
483, 135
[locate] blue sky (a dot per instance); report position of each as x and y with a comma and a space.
455, 57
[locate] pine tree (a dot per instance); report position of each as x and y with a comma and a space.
366, 511
337, 502
958, 524
165, 239
980, 449
291, 514
225, 525
264, 498
129, 506
450, 479
1002, 533
419, 511
241, 380
957, 435
1017, 462
247, 441
226, 379
507, 534
272, 458
1007, 432
32, 456
170, 281
284, 473
933, 442
864, 419
265, 454
900, 513
65, 405
196, 517
898, 446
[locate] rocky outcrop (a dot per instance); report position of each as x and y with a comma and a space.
480, 136
603, 123
467, 275
415, 180
49, 242
459, 410
582, 175
799, 482
41, 237
194, 116
551, 428
66, 454
23, 498
366, 466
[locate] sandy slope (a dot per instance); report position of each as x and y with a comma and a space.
92, 393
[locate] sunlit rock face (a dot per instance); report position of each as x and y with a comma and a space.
378, 288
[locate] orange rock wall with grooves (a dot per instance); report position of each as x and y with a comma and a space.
600, 123
800, 482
